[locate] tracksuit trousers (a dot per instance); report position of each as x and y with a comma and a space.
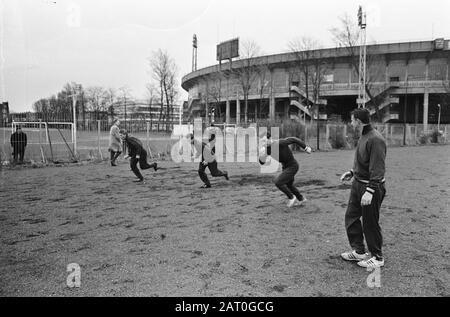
142, 164
369, 228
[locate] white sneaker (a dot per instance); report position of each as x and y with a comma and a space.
371, 263
291, 202
301, 202
353, 256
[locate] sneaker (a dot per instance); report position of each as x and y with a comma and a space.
139, 181
226, 176
301, 202
371, 263
155, 167
291, 202
206, 186
354, 256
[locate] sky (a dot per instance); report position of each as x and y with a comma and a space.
47, 43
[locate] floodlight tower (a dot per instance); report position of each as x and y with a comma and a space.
362, 59
194, 53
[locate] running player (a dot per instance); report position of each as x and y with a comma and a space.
208, 159
137, 153
285, 181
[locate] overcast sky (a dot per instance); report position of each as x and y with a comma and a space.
45, 44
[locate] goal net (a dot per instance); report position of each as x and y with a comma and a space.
46, 141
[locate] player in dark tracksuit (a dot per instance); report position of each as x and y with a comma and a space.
208, 160
285, 181
137, 153
367, 194
18, 143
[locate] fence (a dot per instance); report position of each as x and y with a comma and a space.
49, 142
343, 136
89, 122
54, 142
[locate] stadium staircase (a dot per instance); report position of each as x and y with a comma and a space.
383, 99
298, 97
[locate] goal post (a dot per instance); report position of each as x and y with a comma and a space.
48, 141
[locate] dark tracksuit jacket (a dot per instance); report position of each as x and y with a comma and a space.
135, 148
18, 143
368, 172
285, 181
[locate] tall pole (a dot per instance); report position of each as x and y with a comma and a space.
362, 59
125, 100
404, 112
76, 91
194, 53
439, 116
74, 133
318, 127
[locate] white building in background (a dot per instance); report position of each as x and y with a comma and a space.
138, 111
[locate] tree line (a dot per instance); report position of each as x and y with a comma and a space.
99, 103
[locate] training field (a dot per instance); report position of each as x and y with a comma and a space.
170, 238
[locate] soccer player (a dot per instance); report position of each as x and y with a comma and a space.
115, 142
208, 160
137, 153
367, 194
285, 181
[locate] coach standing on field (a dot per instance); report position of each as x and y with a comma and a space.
367, 194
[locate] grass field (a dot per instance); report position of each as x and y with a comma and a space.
170, 238
91, 145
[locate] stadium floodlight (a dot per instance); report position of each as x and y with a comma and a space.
361, 101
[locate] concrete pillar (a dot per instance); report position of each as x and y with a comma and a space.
286, 110
271, 98
416, 111
238, 110
272, 108
425, 112
227, 111
386, 73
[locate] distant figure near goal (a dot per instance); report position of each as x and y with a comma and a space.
115, 142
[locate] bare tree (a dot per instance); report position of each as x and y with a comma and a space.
125, 97
211, 93
347, 36
163, 72
152, 96
110, 96
172, 92
303, 50
247, 73
263, 82
97, 100
312, 67
151, 93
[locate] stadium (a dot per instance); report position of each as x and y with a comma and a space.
407, 82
